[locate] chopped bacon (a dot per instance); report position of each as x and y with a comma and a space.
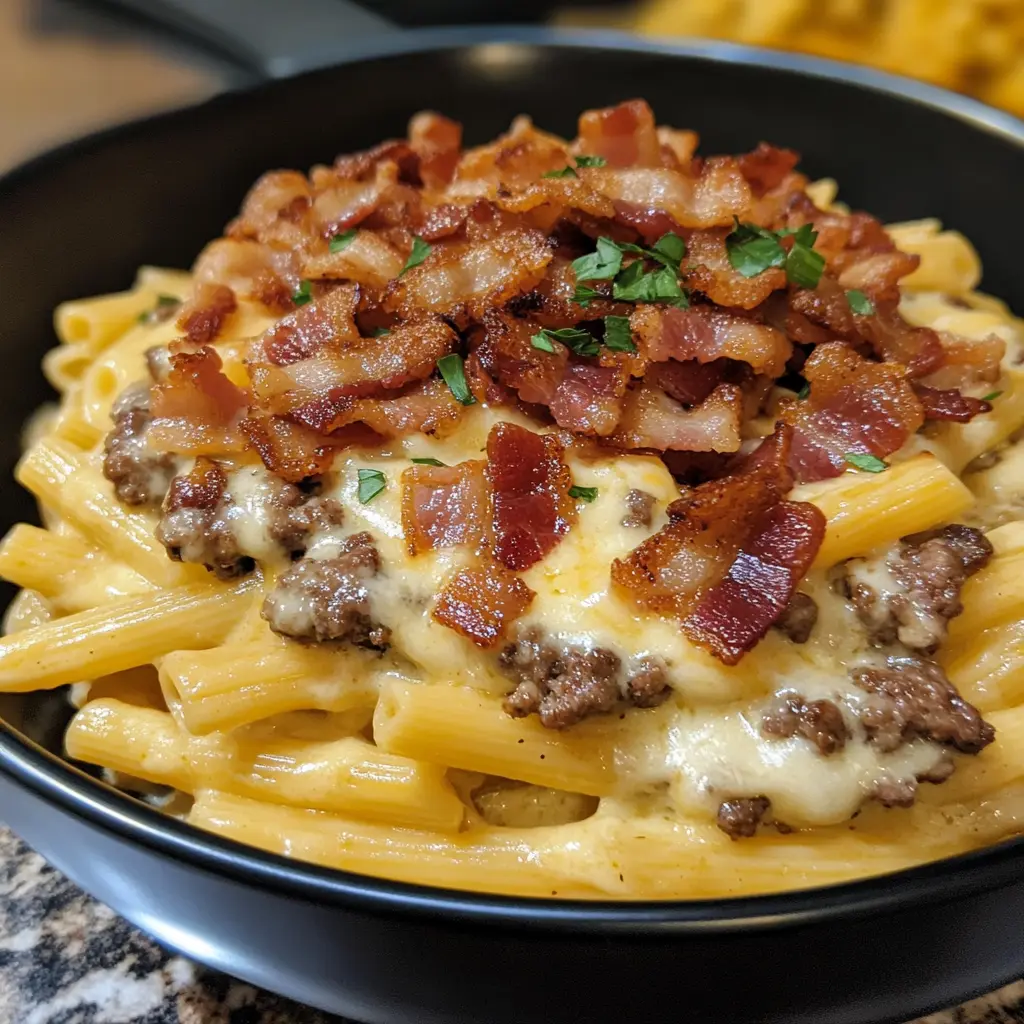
949, 404
443, 506
624, 135
532, 507
481, 603
437, 142
854, 407
550, 303
274, 211
878, 275
442, 222
707, 333
712, 199
361, 165
732, 616
707, 269
344, 204
588, 399
203, 317
295, 452
367, 260
202, 487
650, 419
511, 358
196, 407
677, 147
562, 193
516, 159
330, 318
474, 278
262, 273
767, 167
728, 542
967, 361
689, 382
485, 389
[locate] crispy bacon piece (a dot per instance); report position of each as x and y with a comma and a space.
878, 275
689, 382
262, 273
514, 160
343, 203
443, 506
854, 406
202, 487
480, 603
727, 542
363, 164
550, 303
732, 616
967, 361
330, 318
196, 408
426, 407
442, 221
368, 260
530, 481
650, 419
275, 210
707, 333
767, 167
949, 404
706, 268
511, 358
562, 193
485, 389
295, 452
460, 277
588, 399
711, 199
204, 315
677, 147
437, 141
624, 135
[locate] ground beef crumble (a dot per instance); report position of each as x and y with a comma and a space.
639, 509
819, 721
911, 697
564, 684
325, 599
799, 618
891, 792
926, 572
739, 818
139, 476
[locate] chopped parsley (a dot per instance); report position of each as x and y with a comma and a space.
161, 311
380, 332
565, 172
992, 396
634, 283
805, 390
617, 335
637, 284
587, 494
584, 295
303, 295
371, 483
420, 251
585, 160
753, 250
455, 377
583, 343
342, 241
860, 303
602, 265
428, 462
866, 463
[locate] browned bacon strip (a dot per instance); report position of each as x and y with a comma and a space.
706, 333
480, 603
443, 506
854, 407
295, 452
203, 317
437, 141
588, 399
650, 419
706, 269
196, 408
949, 404
532, 507
767, 167
624, 135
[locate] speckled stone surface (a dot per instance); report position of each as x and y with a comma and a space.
66, 959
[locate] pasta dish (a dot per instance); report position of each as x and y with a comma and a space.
582, 518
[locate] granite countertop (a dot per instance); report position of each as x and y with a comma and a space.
67, 959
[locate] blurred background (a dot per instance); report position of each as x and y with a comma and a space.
70, 66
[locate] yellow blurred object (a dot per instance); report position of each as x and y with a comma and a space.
974, 46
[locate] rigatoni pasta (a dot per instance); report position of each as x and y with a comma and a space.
565, 518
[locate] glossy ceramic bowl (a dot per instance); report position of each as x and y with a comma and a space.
80, 220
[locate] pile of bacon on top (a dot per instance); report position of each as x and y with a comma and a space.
629, 294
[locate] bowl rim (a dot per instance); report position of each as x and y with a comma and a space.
72, 791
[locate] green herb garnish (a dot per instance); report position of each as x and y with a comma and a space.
583, 343
860, 303
587, 494
637, 284
753, 250
617, 335
602, 265
867, 463
805, 390
380, 332
543, 342
804, 264
565, 172
992, 396
161, 310
342, 241
420, 251
303, 295
371, 483
585, 160
428, 462
584, 295
455, 377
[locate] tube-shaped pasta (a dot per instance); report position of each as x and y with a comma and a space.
949, 263
464, 728
347, 775
97, 321
120, 635
988, 667
233, 685
866, 510
993, 595
41, 560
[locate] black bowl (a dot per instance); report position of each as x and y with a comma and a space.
79, 221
